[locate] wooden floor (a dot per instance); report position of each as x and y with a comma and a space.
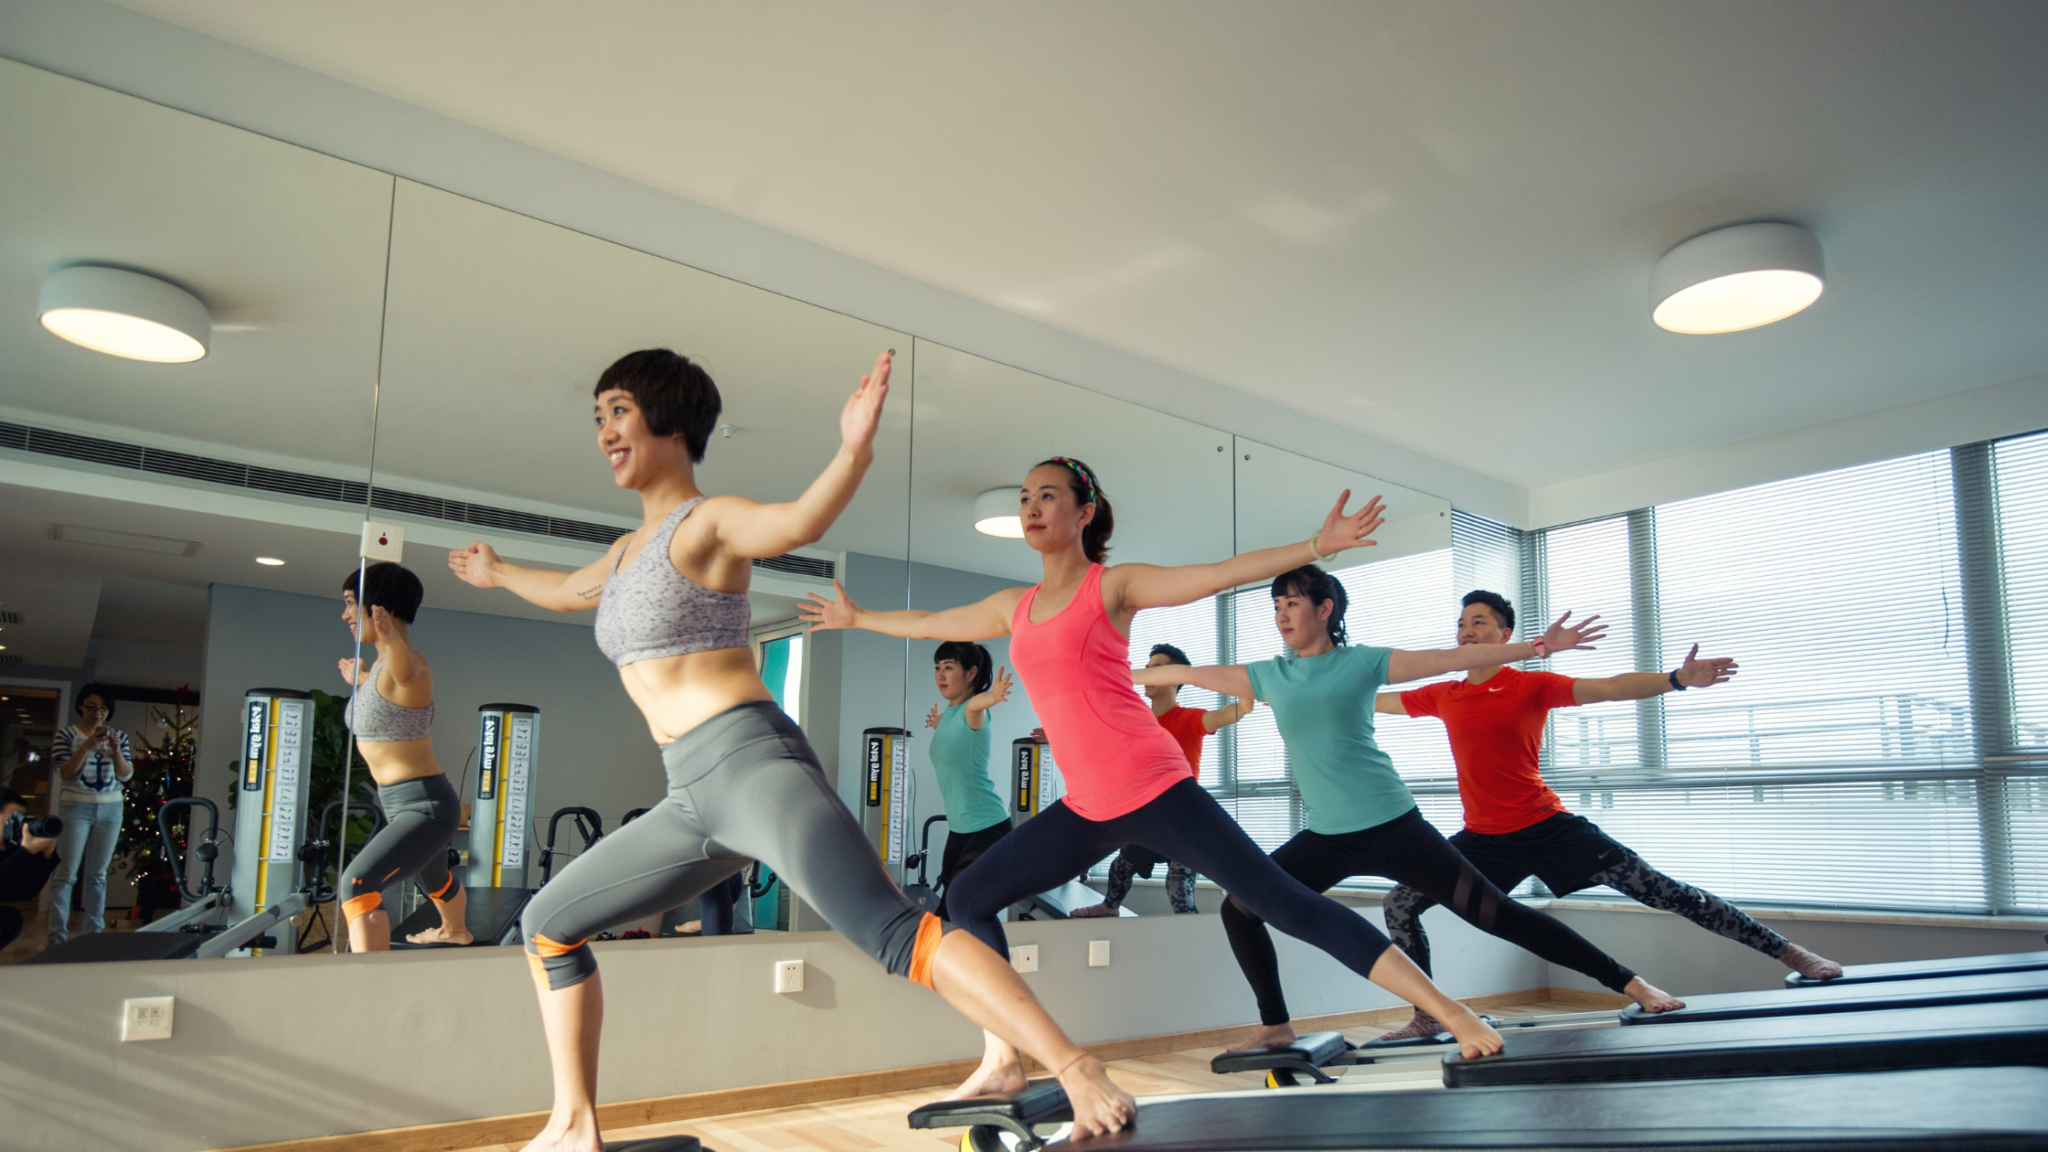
876, 1124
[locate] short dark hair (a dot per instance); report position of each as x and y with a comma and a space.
1173, 656
105, 694
968, 654
1316, 585
388, 586
1502, 610
675, 396
10, 796
1088, 490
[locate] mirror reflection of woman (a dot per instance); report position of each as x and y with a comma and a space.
1127, 779
744, 783
976, 816
391, 714
92, 765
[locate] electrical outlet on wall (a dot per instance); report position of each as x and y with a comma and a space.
1098, 953
789, 976
146, 1018
383, 542
1024, 957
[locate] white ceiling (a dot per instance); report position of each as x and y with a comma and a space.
1425, 219
284, 246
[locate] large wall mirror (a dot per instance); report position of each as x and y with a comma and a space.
149, 509
498, 328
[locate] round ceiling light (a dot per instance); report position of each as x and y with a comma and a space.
1736, 278
995, 513
270, 561
126, 314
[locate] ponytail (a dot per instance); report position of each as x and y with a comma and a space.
1315, 585
969, 655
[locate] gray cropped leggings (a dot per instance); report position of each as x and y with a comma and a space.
744, 785
420, 817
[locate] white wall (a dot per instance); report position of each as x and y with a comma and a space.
293, 1047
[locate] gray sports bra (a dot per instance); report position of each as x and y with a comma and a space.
650, 610
381, 720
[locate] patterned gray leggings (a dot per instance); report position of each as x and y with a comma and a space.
1634, 878
1180, 882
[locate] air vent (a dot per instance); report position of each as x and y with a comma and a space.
798, 566
113, 453
10, 617
11, 658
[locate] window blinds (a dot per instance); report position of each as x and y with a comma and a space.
2019, 808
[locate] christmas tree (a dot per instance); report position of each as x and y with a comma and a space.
163, 772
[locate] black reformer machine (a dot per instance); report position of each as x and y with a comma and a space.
1954, 1109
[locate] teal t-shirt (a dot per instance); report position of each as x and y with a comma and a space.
1324, 708
960, 755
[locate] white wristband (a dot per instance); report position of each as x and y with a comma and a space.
1317, 552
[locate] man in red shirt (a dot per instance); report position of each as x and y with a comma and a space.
1515, 826
1189, 726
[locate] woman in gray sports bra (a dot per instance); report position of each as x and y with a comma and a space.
391, 716
743, 782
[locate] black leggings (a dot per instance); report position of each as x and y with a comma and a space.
1183, 823
1408, 851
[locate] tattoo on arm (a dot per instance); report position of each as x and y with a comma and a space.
591, 593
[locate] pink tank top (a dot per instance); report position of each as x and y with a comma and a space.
1109, 747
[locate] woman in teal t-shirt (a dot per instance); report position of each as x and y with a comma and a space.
1361, 819
976, 816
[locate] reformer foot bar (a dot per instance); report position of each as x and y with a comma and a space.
1927, 969
1979, 1110
1309, 1057
1831, 997
1961, 1035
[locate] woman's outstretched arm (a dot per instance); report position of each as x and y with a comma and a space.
1140, 586
982, 620
752, 530
1225, 679
1435, 662
576, 591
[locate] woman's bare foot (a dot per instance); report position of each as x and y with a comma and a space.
440, 934
1100, 1107
1268, 1036
564, 1135
1093, 910
1421, 1026
1809, 964
1475, 1037
1651, 998
1001, 1071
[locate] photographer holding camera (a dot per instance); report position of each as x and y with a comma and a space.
93, 760
28, 854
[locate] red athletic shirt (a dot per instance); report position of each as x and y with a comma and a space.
1186, 726
1496, 731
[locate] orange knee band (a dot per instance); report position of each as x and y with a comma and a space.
447, 889
548, 949
925, 950
360, 906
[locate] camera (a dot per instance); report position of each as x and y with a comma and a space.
19, 824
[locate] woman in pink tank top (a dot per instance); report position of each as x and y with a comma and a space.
1127, 781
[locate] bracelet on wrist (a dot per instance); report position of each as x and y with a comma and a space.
1541, 649
1315, 551
1675, 685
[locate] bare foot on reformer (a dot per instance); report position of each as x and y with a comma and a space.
1808, 964
1093, 910
1002, 1070
1475, 1036
1420, 1026
441, 934
1100, 1107
1651, 998
1268, 1036
564, 1135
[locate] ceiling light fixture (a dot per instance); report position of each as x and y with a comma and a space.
995, 514
126, 314
1736, 278
270, 561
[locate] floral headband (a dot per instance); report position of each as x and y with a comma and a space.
1081, 470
